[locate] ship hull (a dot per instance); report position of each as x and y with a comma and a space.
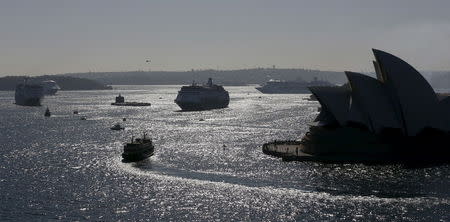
290, 87
203, 100
50, 92
193, 106
133, 157
284, 91
28, 95
28, 101
133, 153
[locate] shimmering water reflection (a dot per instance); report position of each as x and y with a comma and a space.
66, 168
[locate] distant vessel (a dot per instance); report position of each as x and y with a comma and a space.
117, 127
138, 149
28, 94
120, 101
47, 113
204, 97
290, 87
50, 87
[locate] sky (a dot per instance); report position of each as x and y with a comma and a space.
62, 36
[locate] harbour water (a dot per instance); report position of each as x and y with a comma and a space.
70, 169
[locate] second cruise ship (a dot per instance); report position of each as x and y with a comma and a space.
290, 87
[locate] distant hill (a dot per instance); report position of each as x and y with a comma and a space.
225, 77
65, 82
101, 80
441, 80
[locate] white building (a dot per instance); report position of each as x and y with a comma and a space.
400, 98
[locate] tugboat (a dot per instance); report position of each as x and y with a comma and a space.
47, 113
205, 97
138, 149
120, 101
117, 127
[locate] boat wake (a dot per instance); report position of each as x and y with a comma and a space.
156, 170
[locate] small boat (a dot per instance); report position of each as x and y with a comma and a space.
75, 112
117, 127
83, 118
47, 113
138, 149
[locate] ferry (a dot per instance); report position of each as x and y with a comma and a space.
138, 149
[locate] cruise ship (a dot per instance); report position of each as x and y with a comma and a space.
202, 97
50, 87
28, 94
290, 87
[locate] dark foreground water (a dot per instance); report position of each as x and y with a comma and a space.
69, 169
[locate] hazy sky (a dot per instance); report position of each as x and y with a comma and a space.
59, 36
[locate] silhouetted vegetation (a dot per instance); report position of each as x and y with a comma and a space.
65, 82
224, 77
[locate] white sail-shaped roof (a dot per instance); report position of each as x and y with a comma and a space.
378, 71
445, 104
373, 98
335, 100
325, 117
417, 99
444, 109
356, 114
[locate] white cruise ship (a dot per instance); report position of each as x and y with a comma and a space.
290, 87
50, 87
203, 97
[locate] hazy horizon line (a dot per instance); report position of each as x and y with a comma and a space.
200, 70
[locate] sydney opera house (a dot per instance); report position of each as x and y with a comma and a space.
396, 116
